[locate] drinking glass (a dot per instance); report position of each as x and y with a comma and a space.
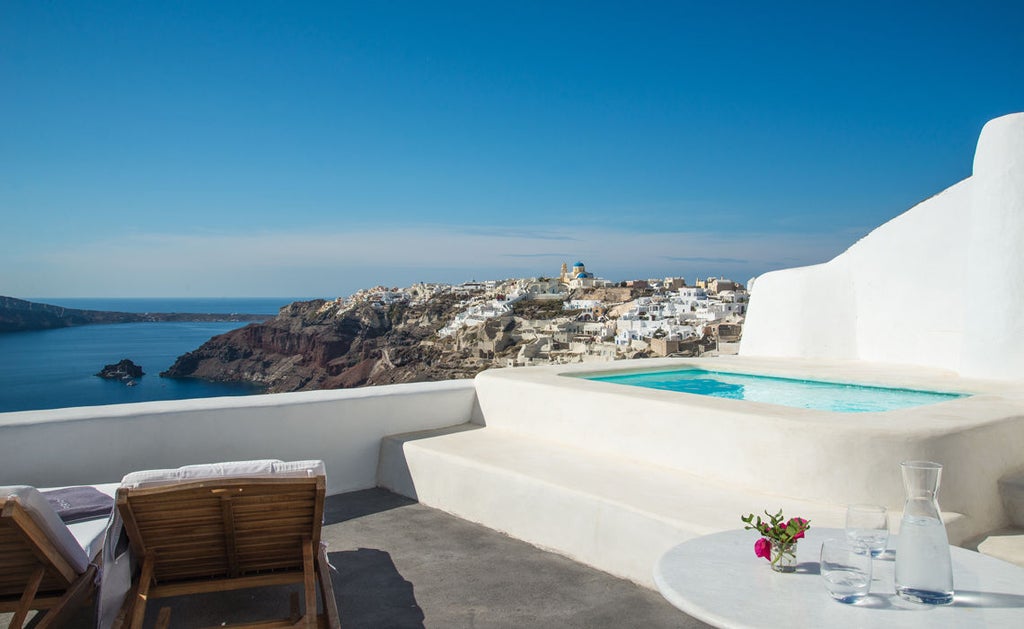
868, 525
846, 569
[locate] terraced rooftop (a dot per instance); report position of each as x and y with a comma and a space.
399, 564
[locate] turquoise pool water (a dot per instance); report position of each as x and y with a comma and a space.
825, 396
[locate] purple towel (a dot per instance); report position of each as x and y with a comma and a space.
75, 504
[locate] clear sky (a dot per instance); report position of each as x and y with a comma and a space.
292, 148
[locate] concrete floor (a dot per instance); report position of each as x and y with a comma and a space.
400, 564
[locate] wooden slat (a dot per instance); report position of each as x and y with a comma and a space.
75, 596
226, 534
298, 522
135, 537
230, 552
37, 542
142, 595
286, 545
327, 589
309, 583
291, 547
284, 623
318, 513
165, 590
25, 604
34, 572
261, 504
270, 485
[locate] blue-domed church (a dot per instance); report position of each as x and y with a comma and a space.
579, 272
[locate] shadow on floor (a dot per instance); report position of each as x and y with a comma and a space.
371, 592
357, 504
404, 565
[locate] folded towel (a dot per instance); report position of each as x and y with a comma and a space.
75, 504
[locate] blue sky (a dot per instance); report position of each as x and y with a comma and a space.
275, 148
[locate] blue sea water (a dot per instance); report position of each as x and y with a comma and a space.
55, 368
825, 396
203, 305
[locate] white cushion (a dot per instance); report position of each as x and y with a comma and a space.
38, 508
264, 467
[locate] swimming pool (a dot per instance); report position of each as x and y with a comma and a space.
825, 396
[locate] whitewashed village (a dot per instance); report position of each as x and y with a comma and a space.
577, 316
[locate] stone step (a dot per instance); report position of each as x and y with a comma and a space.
1011, 490
819, 456
616, 514
1006, 544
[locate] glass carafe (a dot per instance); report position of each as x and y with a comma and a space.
924, 573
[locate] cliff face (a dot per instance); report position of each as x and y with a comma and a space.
327, 345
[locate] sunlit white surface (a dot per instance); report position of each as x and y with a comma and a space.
719, 580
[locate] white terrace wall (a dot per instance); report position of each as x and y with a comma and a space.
100, 444
941, 285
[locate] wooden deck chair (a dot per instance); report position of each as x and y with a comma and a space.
228, 526
44, 563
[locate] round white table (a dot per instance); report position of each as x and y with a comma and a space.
718, 579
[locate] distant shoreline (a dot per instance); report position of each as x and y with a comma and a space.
19, 315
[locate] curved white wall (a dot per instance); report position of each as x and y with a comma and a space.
941, 285
995, 263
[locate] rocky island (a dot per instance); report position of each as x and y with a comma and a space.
124, 370
19, 315
433, 332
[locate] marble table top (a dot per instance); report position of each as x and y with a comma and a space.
718, 579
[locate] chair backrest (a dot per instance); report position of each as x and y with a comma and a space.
223, 521
33, 537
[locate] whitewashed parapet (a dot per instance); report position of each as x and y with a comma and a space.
343, 428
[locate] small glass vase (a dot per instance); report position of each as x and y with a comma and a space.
783, 556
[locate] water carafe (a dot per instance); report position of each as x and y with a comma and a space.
924, 573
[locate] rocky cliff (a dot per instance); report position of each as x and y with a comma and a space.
374, 337
329, 345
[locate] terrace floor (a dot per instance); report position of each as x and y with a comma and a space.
400, 564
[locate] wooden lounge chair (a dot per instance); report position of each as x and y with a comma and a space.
45, 564
228, 526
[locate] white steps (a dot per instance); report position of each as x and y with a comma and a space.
616, 514
1011, 490
1006, 544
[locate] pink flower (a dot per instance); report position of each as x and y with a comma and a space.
763, 548
800, 522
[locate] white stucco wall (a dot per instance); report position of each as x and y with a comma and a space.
941, 285
100, 444
995, 257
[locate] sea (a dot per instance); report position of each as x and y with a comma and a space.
48, 369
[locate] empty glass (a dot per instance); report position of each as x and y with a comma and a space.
868, 525
846, 569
